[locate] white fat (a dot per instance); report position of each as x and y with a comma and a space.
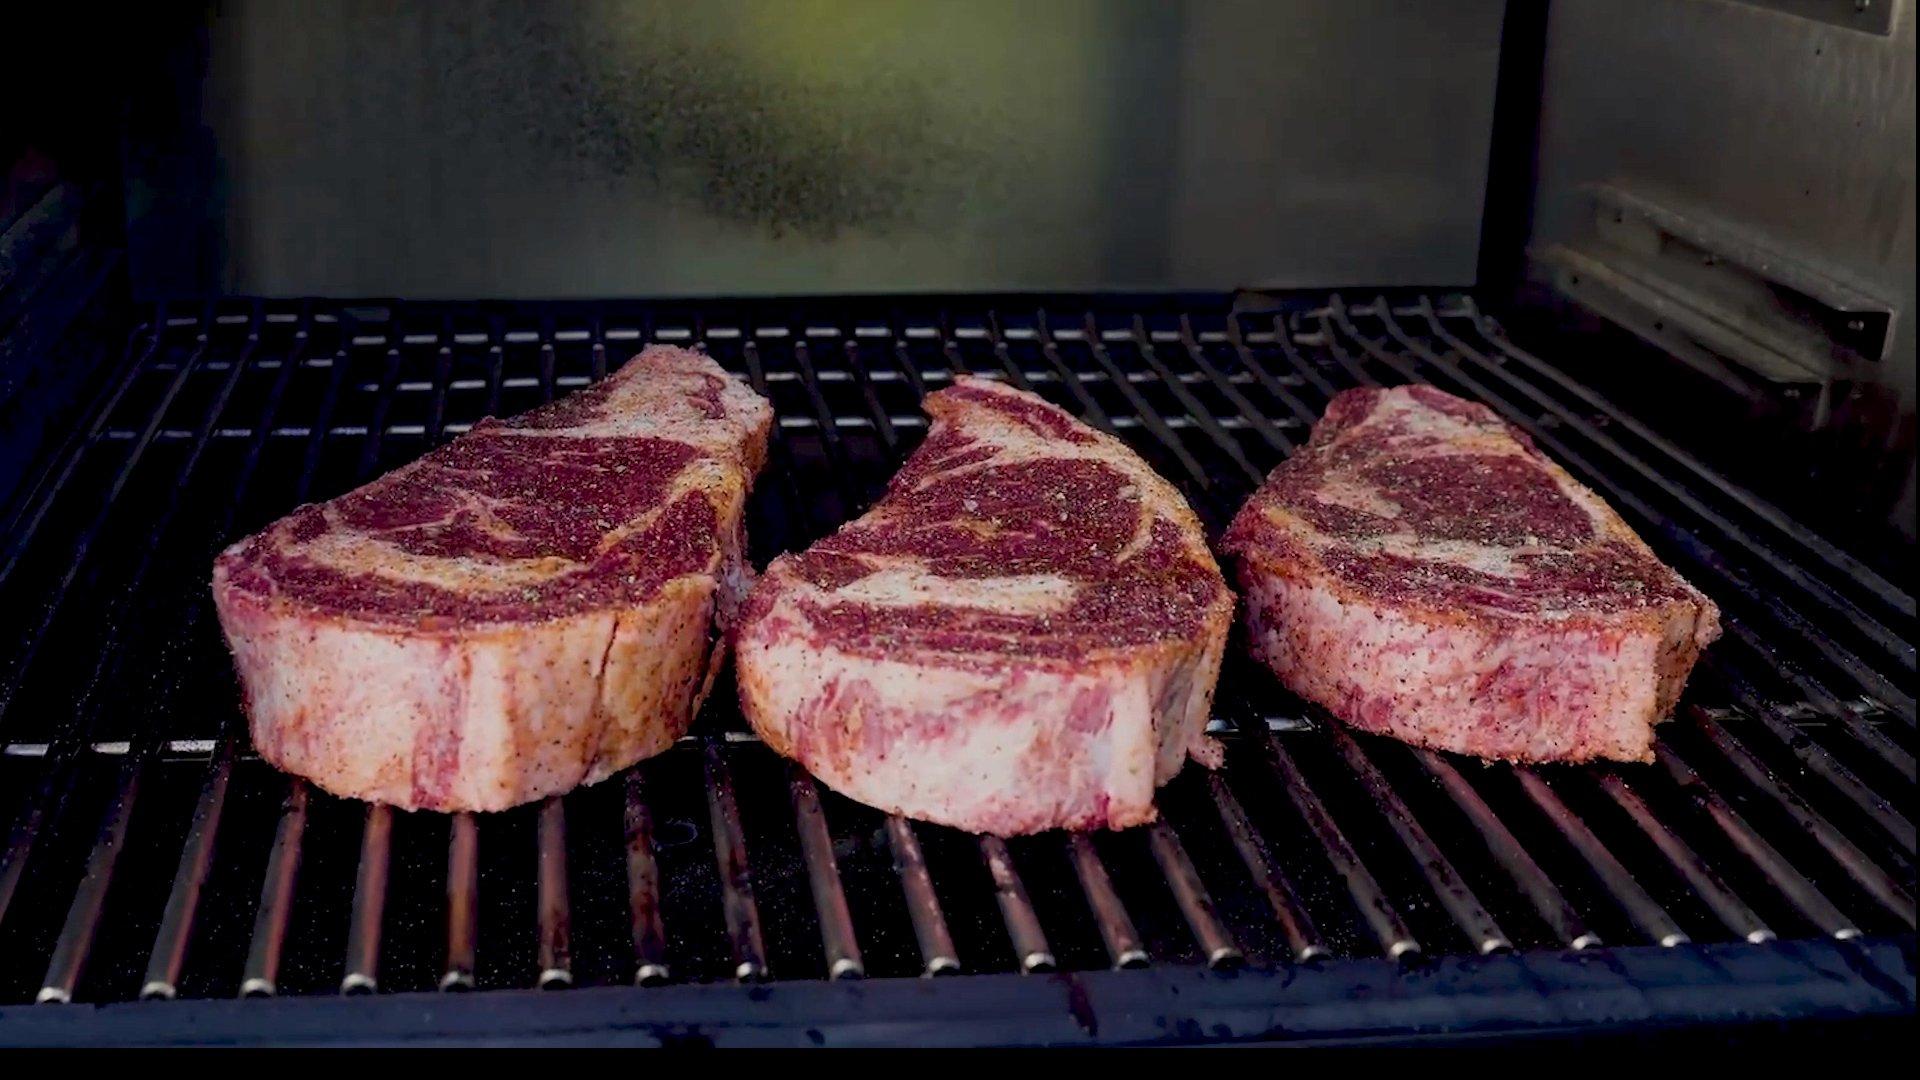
911, 586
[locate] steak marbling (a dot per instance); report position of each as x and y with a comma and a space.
1422, 571
533, 606
1023, 634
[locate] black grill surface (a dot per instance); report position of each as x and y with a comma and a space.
1320, 885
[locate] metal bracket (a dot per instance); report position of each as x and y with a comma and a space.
1718, 296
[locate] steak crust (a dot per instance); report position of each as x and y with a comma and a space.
1422, 571
533, 606
1023, 634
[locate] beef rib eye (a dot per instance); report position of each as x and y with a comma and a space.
1023, 634
530, 607
1422, 571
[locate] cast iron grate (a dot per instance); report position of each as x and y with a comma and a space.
150, 855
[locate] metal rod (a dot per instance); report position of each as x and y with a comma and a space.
169, 954
823, 875
643, 888
1030, 948
50, 799
1303, 941
1807, 899
1876, 742
1812, 755
1149, 415
1700, 878
556, 946
262, 974
1546, 897
369, 902
1197, 356
1452, 891
736, 878
463, 902
35, 506
1389, 929
90, 896
1275, 385
1124, 948
1862, 869
937, 954
1191, 896
1641, 909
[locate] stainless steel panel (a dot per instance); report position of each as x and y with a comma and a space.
1797, 133
741, 147
1868, 16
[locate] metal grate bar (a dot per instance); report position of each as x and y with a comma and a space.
1855, 862
463, 903
50, 800
556, 938
1833, 753
1389, 929
83, 915
1700, 878
262, 974
1546, 897
736, 879
1190, 893
1452, 892
76, 938
1030, 948
1617, 880
1816, 758
1149, 416
823, 875
648, 934
1824, 702
1124, 947
1197, 356
1800, 892
1198, 411
1005, 358
30, 509
369, 902
937, 954
169, 954
1273, 384
1303, 941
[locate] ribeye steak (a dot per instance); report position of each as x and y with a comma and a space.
1421, 570
1023, 634
532, 606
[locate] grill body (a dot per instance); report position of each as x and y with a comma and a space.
1322, 885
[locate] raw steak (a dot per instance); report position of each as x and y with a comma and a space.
1423, 572
1023, 634
530, 607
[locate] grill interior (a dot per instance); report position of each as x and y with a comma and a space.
150, 855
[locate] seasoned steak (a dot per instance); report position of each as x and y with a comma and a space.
1421, 570
533, 606
1024, 634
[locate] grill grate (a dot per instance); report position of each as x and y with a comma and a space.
152, 856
